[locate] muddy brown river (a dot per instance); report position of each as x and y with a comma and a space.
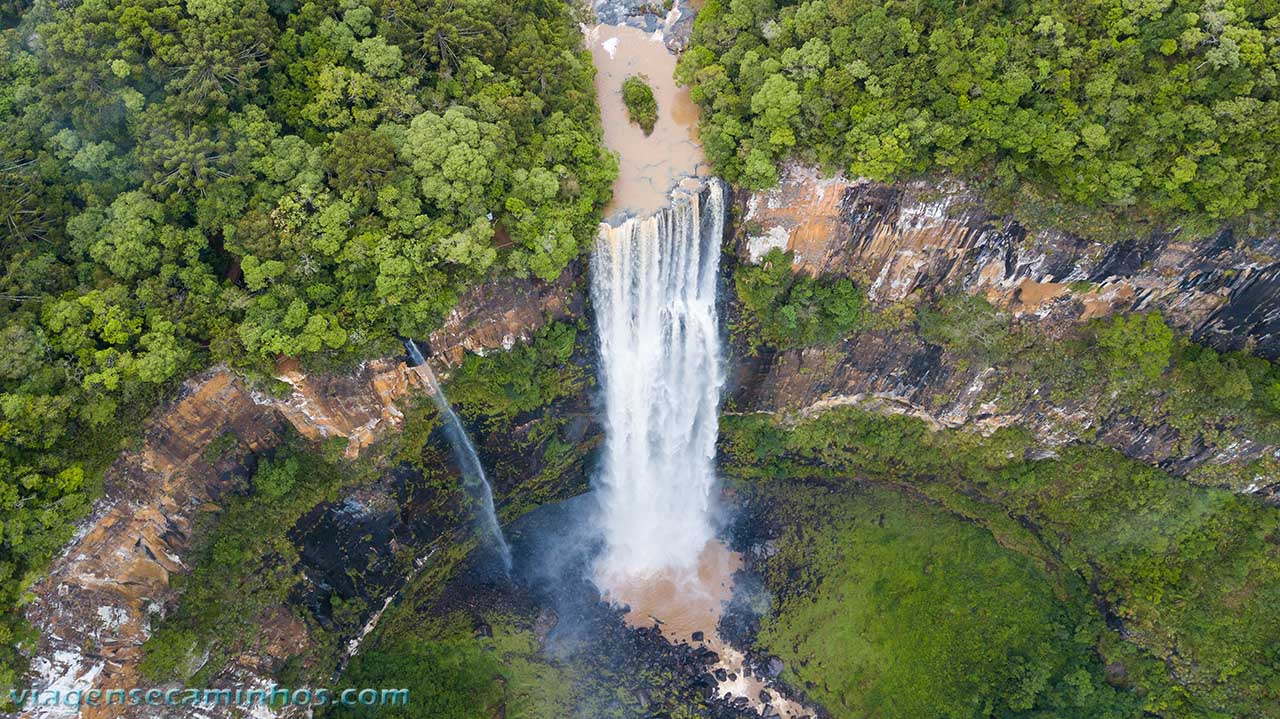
648, 166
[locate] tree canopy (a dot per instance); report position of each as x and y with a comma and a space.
1167, 111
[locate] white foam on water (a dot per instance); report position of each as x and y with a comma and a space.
653, 284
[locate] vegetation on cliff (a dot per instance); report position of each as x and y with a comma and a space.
530, 376
1181, 572
1132, 366
784, 309
447, 680
1162, 112
518, 654
1127, 366
245, 563
458, 675
187, 183
245, 571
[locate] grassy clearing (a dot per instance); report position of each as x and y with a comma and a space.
893, 607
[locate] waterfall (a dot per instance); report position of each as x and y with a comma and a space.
464, 452
653, 284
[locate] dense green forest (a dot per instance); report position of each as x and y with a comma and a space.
183, 183
1159, 111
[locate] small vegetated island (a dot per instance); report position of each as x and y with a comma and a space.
642, 108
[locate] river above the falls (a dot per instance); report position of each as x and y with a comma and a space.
649, 166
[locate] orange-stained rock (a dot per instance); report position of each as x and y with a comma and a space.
94, 606
918, 238
500, 313
353, 406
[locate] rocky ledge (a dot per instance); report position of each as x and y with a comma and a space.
914, 241
922, 238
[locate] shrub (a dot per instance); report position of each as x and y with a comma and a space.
785, 309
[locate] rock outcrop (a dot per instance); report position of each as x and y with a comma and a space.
502, 312
896, 372
95, 606
900, 239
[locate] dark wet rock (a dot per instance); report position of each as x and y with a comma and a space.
482, 630
589, 638
690, 668
740, 623
921, 240
697, 636
352, 549
765, 696
673, 18
643, 697
546, 621
706, 656
931, 237
894, 371
722, 675
706, 686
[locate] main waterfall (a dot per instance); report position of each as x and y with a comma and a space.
653, 283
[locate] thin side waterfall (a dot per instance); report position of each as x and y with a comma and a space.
653, 284
464, 453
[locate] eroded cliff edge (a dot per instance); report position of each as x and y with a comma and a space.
896, 240
908, 244
98, 602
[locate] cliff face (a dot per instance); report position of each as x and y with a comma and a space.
896, 372
900, 239
500, 313
95, 606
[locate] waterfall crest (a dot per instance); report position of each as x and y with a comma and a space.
653, 284
464, 452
